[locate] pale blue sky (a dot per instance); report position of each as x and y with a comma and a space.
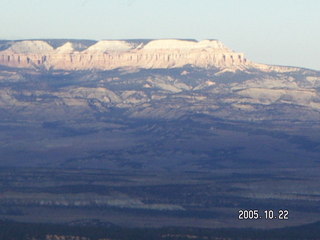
282, 32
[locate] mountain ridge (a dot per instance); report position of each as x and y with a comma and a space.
111, 54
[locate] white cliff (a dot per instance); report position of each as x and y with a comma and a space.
111, 54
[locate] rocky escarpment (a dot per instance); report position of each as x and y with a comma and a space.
111, 54
181, 118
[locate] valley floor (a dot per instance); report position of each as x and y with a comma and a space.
208, 199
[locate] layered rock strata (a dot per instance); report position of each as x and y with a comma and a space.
111, 54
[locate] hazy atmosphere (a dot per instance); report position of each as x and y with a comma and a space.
273, 32
159, 120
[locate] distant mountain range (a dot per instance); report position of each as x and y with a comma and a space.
151, 133
112, 54
138, 103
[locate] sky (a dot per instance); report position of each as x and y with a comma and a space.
281, 32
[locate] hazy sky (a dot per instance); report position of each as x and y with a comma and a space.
282, 32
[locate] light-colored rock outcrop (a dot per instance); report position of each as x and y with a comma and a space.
111, 54
30, 47
65, 48
108, 46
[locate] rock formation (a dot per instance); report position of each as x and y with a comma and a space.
155, 111
111, 54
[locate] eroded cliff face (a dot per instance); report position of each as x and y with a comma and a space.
111, 54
